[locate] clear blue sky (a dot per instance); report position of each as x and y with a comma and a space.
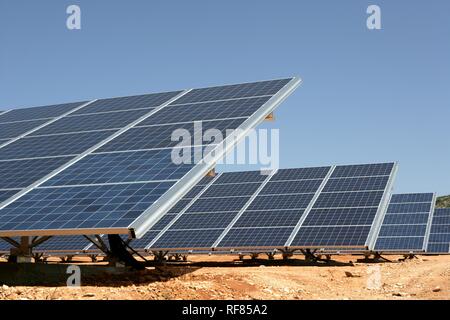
367, 96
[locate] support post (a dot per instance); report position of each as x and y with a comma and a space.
23, 253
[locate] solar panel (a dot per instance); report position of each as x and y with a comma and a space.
92, 122
406, 225
121, 178
347, 208
439, 241
17, 123
271, 217
36, 113
241, 210
14, 129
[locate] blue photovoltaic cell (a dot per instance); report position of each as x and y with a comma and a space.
409, 207
256, 237
443, 248
272, 218
204, 220
344, 212
195, 238
194, 192
363, 170
15, 129
301, 173
206, 111
63, 244
146, 101
161, 136
47, 146
234, 91
412, 198
22, 173
35, 113
218, 204
440, 237
349, 199
281, 187
341, 216
405, 224
179, 206
122, 167
240, 177
100, 121
402, 230
439, 241
402, 218
400, 243
231, 190
284, 201
329, 236
97, 206
355, 184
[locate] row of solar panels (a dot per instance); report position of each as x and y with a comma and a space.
325, 207
105, 166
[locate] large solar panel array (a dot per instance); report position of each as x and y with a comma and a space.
439, 241
406, 225
102, 168
253, 210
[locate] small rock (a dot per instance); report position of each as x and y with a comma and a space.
348, 274
5, 287
437, 289
89, 295
398, 294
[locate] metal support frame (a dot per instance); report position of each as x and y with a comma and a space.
22, 252
287, 253
373, 256
160, 256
